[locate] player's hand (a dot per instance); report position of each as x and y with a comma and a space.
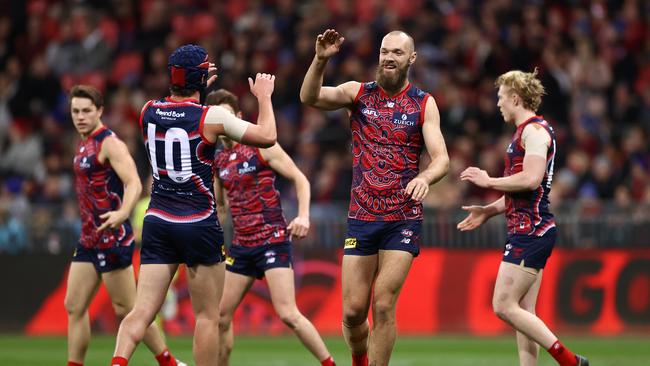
477, 176
299, 227
417, 189
263, 85
477, 216
112, 220
212, 74
328, 44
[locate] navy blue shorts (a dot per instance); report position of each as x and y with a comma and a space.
529, 250
368, 237
254, 261
165, 243
105, 260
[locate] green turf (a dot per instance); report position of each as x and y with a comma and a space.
280, 351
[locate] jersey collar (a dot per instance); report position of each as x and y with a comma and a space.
398, 95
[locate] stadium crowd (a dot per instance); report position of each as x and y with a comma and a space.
593, 58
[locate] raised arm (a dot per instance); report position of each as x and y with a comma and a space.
115, 152
312, 92
536, 141
219, 121
280, 161
437, 150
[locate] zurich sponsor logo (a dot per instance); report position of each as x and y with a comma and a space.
169, 114
246, 168
84, 164
403, 119
370, 112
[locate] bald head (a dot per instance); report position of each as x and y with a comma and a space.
400, 38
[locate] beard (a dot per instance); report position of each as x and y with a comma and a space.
392, 83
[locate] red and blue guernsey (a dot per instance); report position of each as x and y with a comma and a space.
528, 212
99, 190
387, 142
181, 162
254, 202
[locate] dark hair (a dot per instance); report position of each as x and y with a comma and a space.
88, 92
223, 96
181, 92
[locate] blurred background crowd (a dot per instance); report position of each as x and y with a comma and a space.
593, 59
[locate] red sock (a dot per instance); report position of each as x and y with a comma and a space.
119, 361
360, 360
165, 358
70, 363
562, 355
328, 362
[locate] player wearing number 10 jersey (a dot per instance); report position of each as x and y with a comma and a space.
180, 225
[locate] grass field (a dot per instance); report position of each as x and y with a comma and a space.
280, 351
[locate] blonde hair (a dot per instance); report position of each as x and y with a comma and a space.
526, 85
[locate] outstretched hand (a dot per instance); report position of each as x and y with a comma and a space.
477, 176
328, 43
477, 216
263, 85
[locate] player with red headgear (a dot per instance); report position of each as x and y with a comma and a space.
180, 224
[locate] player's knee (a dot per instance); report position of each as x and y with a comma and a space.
529, 307
501, 309
290, 318
121, 309
208, 316
225, 322
354, 315
383, 310
73, 307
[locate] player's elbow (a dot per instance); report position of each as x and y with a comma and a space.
445, 164
263, 140
138, 188
135, 185
302, 185
307, 99
532, 182
267, 141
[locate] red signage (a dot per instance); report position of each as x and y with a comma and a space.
597, 291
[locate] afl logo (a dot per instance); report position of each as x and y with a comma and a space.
370, 112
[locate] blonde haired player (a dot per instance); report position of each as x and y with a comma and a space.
531, 226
